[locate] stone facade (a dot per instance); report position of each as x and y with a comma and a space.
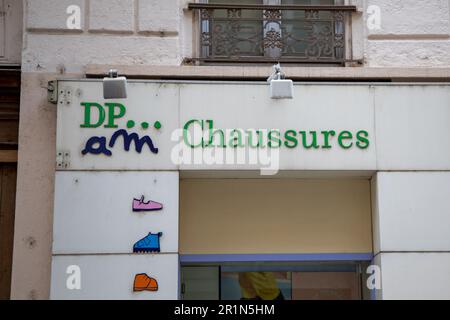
149, 32
413, 33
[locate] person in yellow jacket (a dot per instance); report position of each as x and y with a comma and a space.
259, 286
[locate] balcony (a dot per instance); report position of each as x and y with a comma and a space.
248, 33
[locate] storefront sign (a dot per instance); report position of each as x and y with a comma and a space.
174, 126
97, 231
103, 145
106, 116
273, 138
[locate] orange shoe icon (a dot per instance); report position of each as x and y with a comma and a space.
142, 282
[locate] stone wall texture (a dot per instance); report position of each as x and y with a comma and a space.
129, 32
411, 33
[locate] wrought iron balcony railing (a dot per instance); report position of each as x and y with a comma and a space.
273, 33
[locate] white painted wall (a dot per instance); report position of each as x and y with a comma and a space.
412, 126
411, 232
415, 276
412, 211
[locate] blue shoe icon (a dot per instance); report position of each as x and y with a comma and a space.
148, 244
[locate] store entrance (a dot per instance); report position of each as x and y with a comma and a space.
9, 142
269, 239
8, 176
275, 281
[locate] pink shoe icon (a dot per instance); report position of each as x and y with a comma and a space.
141, 205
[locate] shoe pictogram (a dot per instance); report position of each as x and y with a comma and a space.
139, 205
148, 244
142, 282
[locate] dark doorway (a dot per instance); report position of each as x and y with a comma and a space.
8, 175
332, 280
9, 132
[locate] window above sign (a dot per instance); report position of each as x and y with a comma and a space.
287, 31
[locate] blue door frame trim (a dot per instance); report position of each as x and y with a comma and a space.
290, 257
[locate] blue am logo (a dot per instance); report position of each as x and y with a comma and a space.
106, 117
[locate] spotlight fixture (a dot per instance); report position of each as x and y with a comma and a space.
280, 88
114, 87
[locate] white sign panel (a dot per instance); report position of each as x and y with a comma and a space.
134, 133
104, 212
325, 127
128, 277
161, 126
